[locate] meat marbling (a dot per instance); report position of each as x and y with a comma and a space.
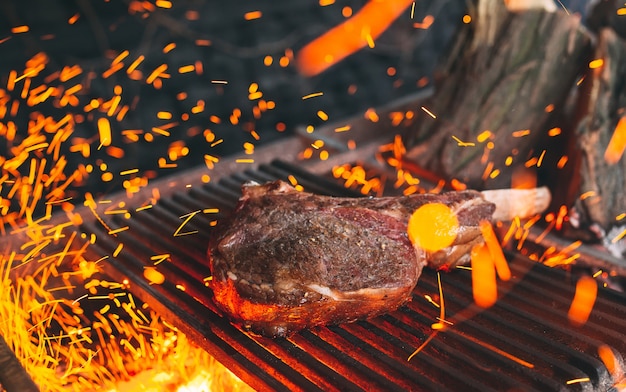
287, 260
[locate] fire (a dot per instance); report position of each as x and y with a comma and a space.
350, 36
73, 329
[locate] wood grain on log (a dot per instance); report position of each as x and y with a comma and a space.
504, 74
603, 179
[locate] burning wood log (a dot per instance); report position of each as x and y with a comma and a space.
601, 139
496, 94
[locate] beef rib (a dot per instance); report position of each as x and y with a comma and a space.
288, 260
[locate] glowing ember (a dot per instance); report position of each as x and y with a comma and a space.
495, 251
153, 275
617, 144
442, 308
611, 361
597, 63
584, 299
353, 34
484, 285
433, 227
252, 15
127, 346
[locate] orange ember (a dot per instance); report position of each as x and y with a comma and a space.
617, 144
597, 63
484, 286
584, 299
608, 358
495, 251
350, 36
433, 227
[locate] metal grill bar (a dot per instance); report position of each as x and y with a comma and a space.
524, 341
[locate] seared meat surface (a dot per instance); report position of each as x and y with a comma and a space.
288, 260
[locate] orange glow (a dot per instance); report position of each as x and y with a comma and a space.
371, 115
133, 66
252, 15
153, 276
554, 132
597, 63
561, 217
584, 299
426, 23
162, 115
484, 286
457, 185
521, 133
617, 144
203, 42
495, 250
523, 179
186, 69
283, 61
483, 136
158, 72
163, 4
607, 356
104, 130
20, 29
169, 47
350, 36
433, 227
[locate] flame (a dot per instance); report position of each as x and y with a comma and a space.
350, 36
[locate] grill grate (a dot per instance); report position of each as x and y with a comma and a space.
523, 342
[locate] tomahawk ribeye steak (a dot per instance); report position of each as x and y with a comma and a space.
287, 260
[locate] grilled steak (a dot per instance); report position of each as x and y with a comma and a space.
288, 260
